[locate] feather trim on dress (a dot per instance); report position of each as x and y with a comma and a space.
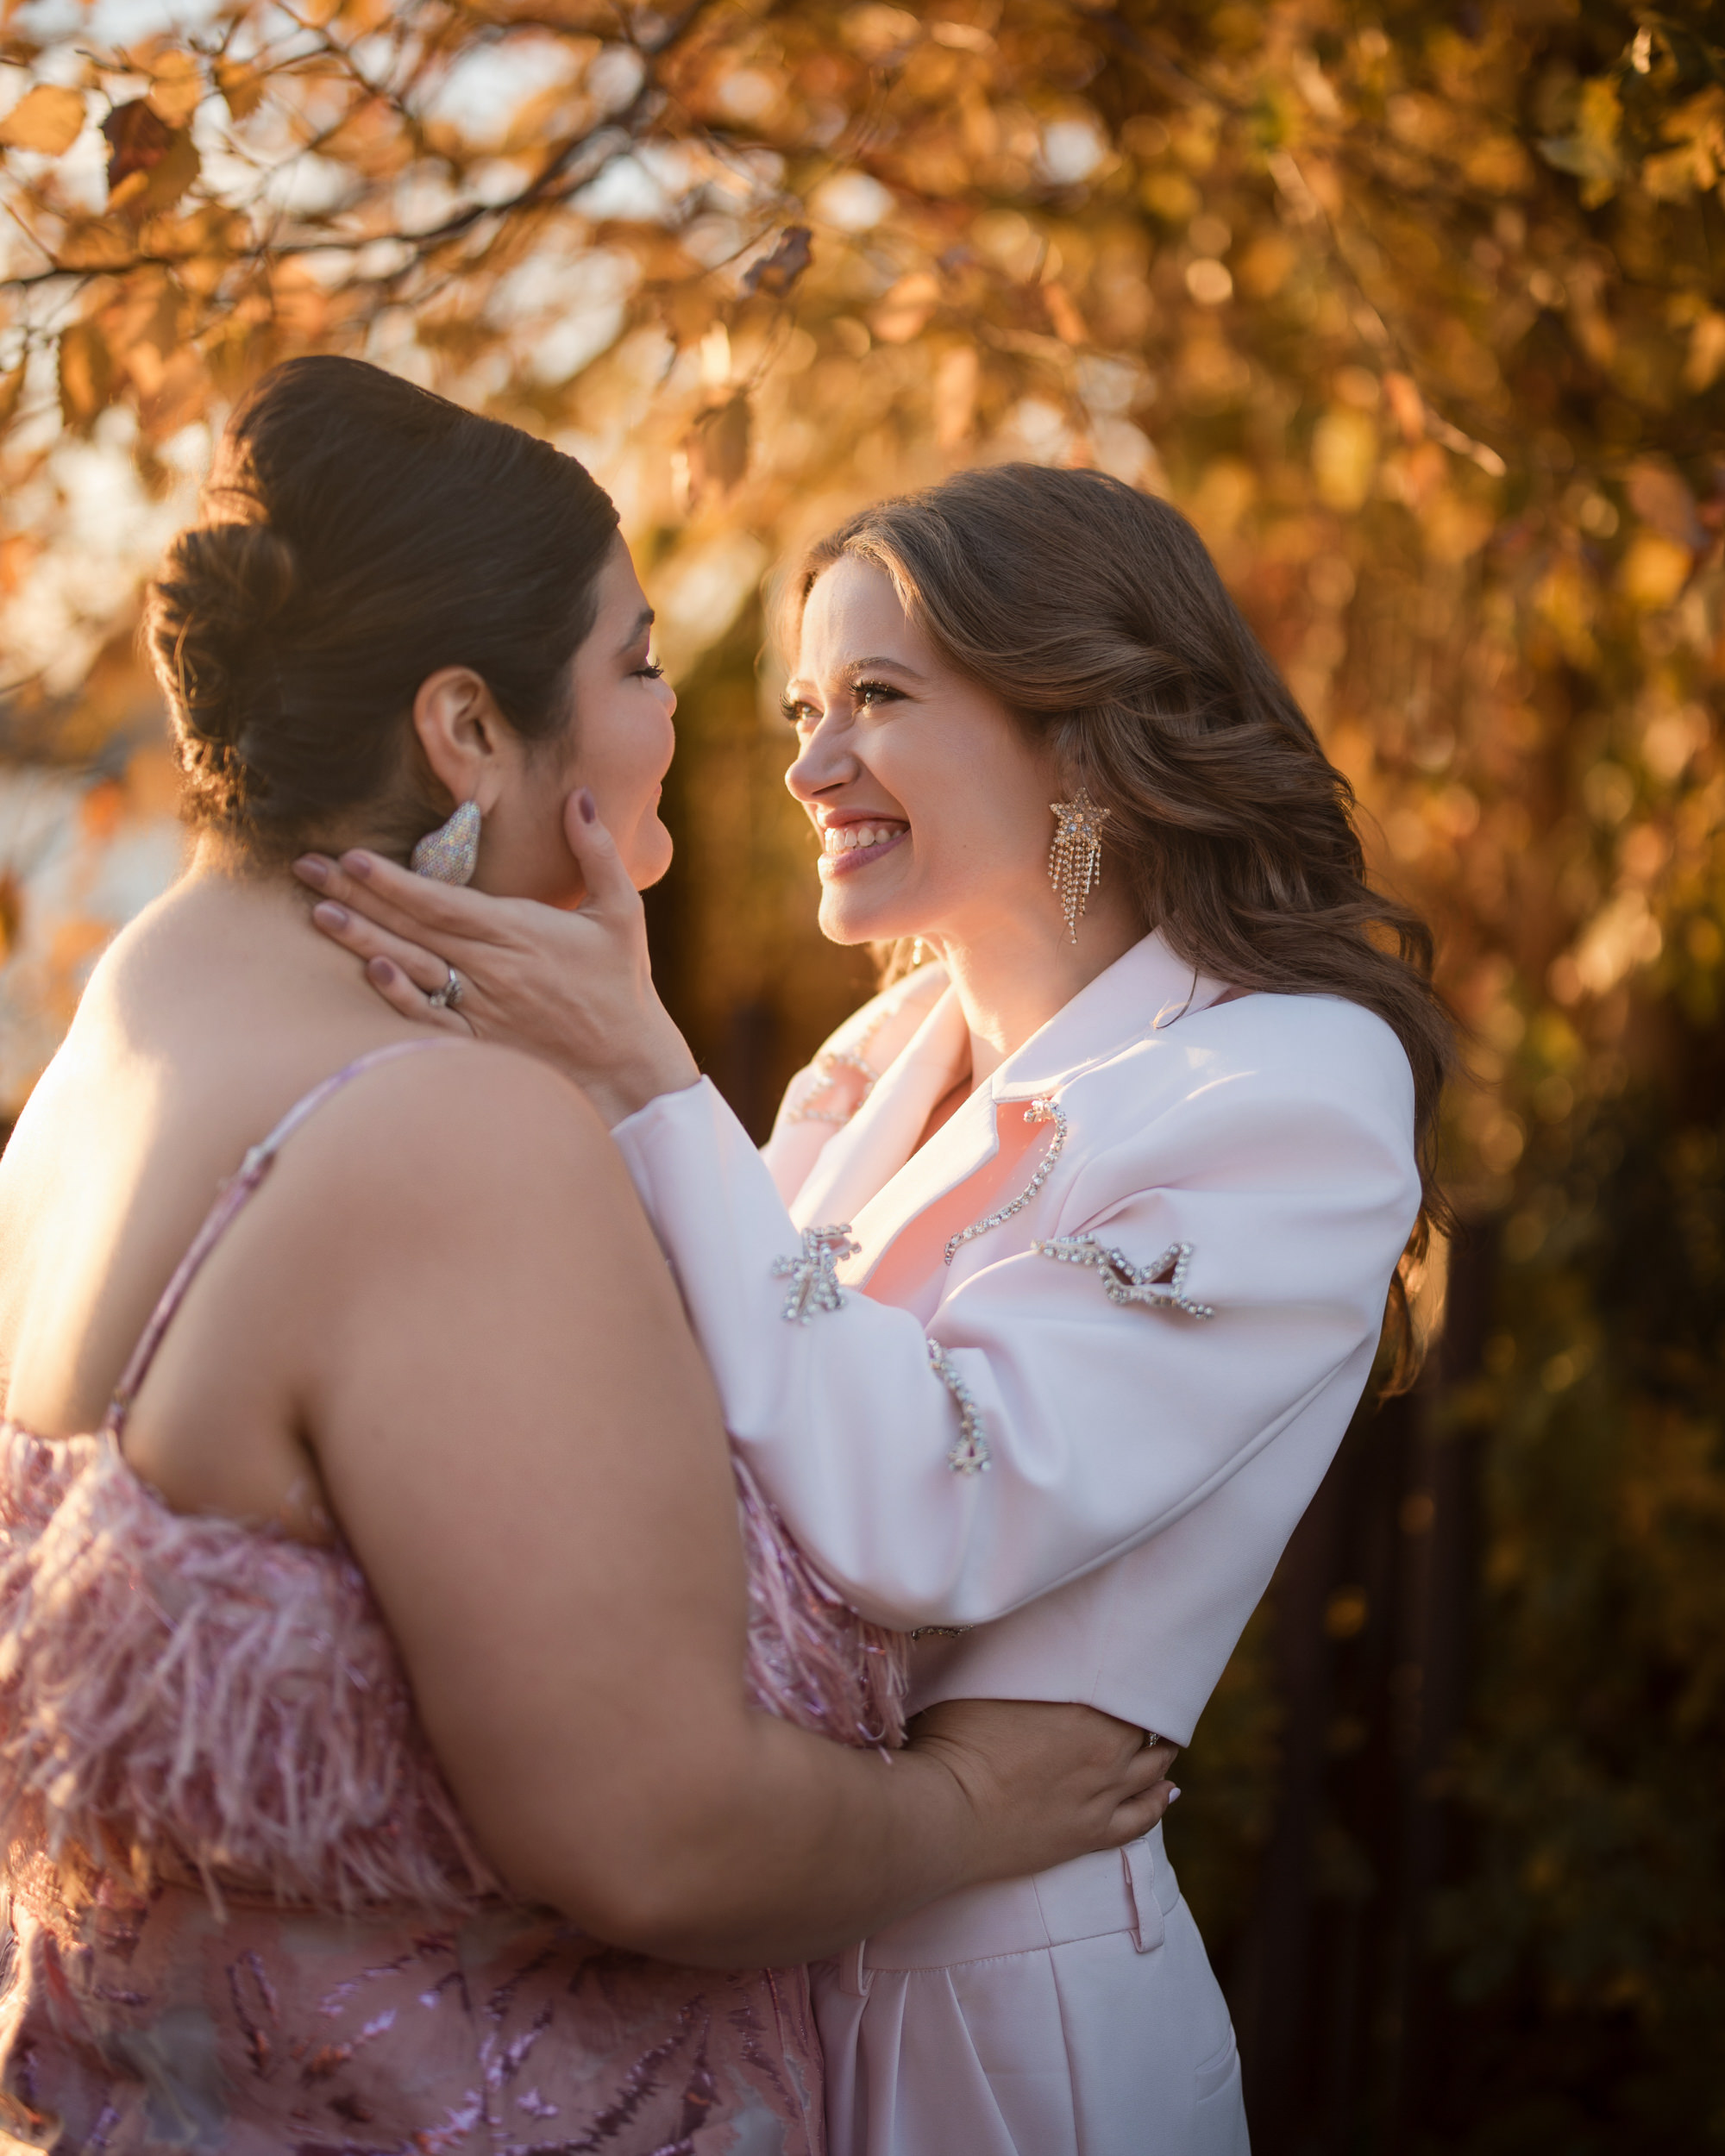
197, 1689
811, 1659
193, 1695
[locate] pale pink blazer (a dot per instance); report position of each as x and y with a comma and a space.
1146, 1463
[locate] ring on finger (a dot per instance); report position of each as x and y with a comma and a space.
447, 997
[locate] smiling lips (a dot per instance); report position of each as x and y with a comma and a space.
847, 847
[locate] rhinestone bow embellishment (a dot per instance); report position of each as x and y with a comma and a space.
1160, 1285
814, 1273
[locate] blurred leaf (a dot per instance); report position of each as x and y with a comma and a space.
177, 87
166, 180
240, 85
96, 243
48, 118
86, 375
1659, 496
905, 311
718, 448
138, 139
11, 913
1591, 150
776, 272
1062, 312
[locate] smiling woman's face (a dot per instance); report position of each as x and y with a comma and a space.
932, 805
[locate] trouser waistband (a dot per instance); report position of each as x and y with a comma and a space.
1131, 1889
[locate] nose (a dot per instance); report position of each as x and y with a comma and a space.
821, 763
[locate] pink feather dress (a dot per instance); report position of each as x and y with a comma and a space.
245, 1913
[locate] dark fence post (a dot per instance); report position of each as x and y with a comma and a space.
1439, 1537
1340, 2014
1274, 1955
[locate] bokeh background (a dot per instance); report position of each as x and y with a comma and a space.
1415, 308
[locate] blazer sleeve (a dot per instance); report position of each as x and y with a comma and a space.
1103, 1424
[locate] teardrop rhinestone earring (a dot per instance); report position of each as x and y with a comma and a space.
451, 853
1074, 860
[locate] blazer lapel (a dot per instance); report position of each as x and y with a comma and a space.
872, 1176
952, 1156
874, 1147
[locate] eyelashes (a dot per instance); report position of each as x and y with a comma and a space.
865, 694
651, 672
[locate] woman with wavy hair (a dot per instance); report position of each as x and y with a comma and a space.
397, 1751
1068, 1260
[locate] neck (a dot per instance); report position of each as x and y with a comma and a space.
243, 930
1013, 976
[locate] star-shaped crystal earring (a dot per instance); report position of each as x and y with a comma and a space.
1074, 860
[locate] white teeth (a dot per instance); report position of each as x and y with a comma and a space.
847, 838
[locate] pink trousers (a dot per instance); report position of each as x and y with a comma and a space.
1070, 2015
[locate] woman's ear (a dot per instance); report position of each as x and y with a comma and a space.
462, 733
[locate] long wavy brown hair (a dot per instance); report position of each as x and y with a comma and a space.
1096, 616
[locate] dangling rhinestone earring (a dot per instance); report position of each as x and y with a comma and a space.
1074, 860
450, 854
919, 952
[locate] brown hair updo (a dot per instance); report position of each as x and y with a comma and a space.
1096, 616
357, 535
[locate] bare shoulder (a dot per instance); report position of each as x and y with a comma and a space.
478, 1133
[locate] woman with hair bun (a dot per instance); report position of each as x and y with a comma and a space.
384, 1680
1084, 1233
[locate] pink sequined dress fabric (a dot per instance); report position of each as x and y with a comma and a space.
246, 1916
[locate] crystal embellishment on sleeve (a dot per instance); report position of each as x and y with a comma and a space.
1159, 1286
814, 1273
1041, 1110
828, 1065
969, 1453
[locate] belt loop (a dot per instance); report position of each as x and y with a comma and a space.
1137, 1864
854, 1976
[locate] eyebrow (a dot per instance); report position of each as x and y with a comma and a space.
861, 666
898, 666
644, 622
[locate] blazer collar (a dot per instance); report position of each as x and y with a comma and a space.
866, 1174
1145, 991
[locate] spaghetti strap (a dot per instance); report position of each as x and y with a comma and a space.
229, 1201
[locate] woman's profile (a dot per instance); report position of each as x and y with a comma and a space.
382, 1683
1088, 1226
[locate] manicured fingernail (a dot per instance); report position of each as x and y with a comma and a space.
589, 807
358, 865
329, 915
309, 870
1174, 1796
381, 971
